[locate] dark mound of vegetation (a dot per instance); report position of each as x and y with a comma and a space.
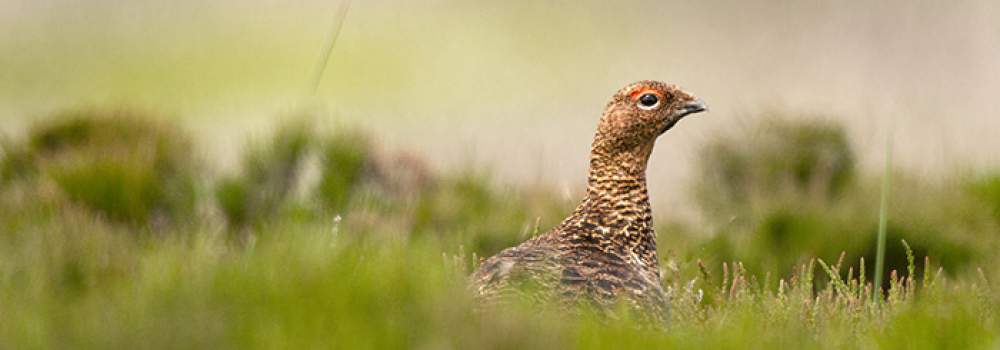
789, 191
368, 190
987, 190
266, 178
121, 164
799, 160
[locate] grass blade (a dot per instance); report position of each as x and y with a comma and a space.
883, 216
338, 23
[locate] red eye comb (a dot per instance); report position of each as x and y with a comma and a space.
639, 91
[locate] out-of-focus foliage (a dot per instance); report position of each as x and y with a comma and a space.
267, 177
345, 160
353, 246
122, 164
374, 191
780, 158
788, 191
75, 283
987, 189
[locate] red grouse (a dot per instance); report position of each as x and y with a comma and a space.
605, 252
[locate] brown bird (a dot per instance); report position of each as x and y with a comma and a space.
605, 252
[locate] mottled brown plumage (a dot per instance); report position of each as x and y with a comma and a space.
605, 252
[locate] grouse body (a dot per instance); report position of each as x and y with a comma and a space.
604, 253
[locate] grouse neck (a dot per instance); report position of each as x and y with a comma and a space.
611, 172
616, 211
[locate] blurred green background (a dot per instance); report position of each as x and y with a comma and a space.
457, 80
168, 177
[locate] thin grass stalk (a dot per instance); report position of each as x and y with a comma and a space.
883, 216
321, 65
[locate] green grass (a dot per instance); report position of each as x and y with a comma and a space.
883, 216
84, 285
791, 271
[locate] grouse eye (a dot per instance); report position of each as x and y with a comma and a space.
648, 101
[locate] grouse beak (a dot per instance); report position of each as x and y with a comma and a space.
695, 105
691, 107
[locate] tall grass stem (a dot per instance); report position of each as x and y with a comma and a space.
324, 59
883, 216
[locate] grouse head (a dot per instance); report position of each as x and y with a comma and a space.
639, 113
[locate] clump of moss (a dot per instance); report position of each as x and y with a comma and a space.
987, 190
127, 166
380, 191
345, 158
784, 157
16, 162
267, 177
789, 191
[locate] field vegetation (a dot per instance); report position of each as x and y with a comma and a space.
115, 232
